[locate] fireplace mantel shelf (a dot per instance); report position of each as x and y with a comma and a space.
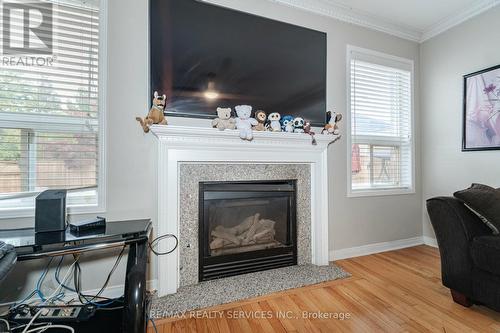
209, 136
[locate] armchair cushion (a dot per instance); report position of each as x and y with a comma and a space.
485, 252
484, 201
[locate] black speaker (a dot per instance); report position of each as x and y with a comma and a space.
50, 211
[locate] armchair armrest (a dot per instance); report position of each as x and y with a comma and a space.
455, 227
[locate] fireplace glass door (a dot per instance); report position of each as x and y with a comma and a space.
246, 226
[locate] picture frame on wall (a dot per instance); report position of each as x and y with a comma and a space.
481, 110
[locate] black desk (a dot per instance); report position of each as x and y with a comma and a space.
134, 234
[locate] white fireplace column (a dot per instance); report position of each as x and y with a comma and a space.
180, 144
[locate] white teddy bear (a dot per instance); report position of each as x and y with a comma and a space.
244, 123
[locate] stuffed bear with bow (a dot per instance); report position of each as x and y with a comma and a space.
244, 122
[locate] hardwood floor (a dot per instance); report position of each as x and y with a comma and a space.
398, 291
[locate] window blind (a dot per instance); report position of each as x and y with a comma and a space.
381, 123
49, 115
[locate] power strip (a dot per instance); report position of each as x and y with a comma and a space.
55, 314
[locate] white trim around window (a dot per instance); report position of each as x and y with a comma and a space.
391, 61
53, 123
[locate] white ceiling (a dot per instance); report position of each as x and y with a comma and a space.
416, 20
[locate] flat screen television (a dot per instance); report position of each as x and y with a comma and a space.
205, 56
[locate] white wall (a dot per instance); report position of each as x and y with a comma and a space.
467, 48
131, 170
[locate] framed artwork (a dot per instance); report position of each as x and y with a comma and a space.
481, 123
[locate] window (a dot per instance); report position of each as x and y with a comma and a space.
380, 117
50, 115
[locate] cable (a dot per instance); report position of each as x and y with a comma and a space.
155, 242
7, 326
110, 309
48, 299
152, 322
117, 262
41, 329
40, 280
84, 299
56, 275
32, 320
24, 325
55, 295
68, 273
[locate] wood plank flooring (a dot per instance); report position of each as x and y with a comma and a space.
398, 291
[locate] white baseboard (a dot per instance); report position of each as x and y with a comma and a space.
430, 241
375, 248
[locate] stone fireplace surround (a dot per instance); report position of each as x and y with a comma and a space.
192, 173
187, 155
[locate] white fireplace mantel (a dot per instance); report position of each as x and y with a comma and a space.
182, 144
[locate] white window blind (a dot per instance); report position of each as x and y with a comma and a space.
49, 115
381, 124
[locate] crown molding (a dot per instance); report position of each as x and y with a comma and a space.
332, 9
477, 8
349, 15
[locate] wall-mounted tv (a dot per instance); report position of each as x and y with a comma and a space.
204, 56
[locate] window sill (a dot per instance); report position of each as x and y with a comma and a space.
30, 212
379, 192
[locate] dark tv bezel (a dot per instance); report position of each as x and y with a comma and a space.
201, 116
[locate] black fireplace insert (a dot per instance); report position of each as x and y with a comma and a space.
246, 227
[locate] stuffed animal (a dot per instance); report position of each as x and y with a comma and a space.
298, 125
287, 124
155, 114
244, 123
224, 120
332, 120
274, 122
308, 130
261, 118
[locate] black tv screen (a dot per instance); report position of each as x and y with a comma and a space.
204, 56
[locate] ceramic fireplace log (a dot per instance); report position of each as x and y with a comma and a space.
245, 225
239, 230
248, 248
263, 236
252, 231
266, 235
226, 236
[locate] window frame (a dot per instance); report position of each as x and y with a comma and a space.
382, 191
22, 121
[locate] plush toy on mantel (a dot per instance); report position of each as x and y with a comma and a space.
224, 120
332, 120
261, 118
298, 125
287, 124
244, 122
155, 114
308, 130
274, 121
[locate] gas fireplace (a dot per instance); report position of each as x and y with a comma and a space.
246, 227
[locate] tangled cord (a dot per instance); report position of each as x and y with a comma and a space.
154, 243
